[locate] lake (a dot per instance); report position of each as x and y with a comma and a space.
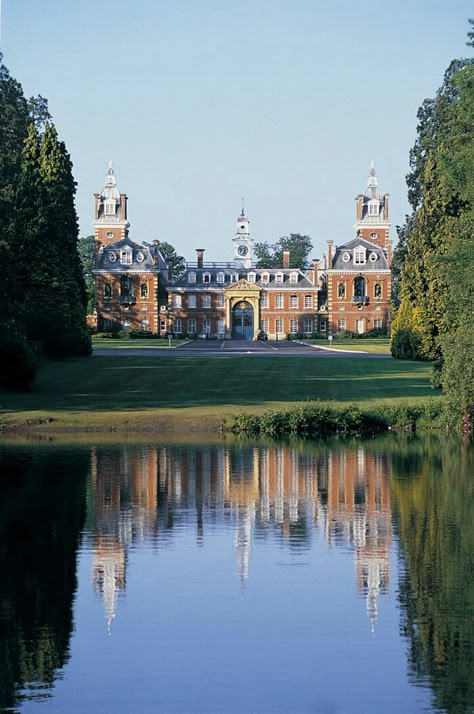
229, 575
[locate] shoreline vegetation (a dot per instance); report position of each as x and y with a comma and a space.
157, 394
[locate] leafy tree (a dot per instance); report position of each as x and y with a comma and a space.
86, 249
270, 255
177, 262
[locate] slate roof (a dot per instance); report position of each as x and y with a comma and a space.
229, 270
147, 264
370, 265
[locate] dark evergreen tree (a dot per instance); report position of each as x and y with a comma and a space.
86, 249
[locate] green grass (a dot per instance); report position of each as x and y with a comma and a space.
378, 345
113, 391
117, 344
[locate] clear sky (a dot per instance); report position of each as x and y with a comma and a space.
200, 101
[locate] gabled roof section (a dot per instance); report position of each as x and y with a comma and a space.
343, 258
141, 257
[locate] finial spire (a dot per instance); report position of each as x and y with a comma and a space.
243, 207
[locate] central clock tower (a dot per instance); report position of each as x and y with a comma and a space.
243, 242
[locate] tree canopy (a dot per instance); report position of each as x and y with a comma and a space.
270, 255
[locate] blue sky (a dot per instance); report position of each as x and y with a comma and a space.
197, 103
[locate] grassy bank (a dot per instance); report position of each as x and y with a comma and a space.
118, 344
379, 345
162, 393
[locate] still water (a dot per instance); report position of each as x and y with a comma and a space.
331, 577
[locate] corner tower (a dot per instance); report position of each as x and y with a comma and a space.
110, 211
243, 243
372, 213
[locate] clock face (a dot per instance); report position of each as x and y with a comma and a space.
242, 250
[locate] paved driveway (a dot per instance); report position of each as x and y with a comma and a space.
229, 348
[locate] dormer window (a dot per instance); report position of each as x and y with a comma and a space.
279, 277
359, 255
221, 277
234, 278
265, 278
373, 208
191, 277
251, 277
293, 277
206, 278
110, 208
126, 257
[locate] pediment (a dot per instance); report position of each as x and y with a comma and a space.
243, 286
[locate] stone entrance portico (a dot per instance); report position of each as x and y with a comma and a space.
242, 291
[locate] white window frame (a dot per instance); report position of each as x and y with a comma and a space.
206, 278
206, 301
341, 324
293, 277
192, 324
374, 208
221, 326
293, 302
307, 326
191, 277
378, 323
264, 300
144, 325
234, 278
220, 300
294, 326
176, 301
360, 256
251, 277
279, 301
206, 326
278, 326
126, 257
265, 278
308, 301
110, 208
264, 325
177, 326
322, 326
221, 277
191, 301
279, 278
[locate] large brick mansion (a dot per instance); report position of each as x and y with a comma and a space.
350, 289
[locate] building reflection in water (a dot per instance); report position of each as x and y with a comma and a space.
149, 494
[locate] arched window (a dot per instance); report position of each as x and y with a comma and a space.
144, 291
125, 286
107, 291
377, 290
341, 291
359, 287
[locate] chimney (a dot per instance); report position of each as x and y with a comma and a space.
286, 258
155, 252
359, 205
200, 257
330, 244
96, 206
123, 206
313, 270
388, 246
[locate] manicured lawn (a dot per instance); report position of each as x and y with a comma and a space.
379, 344
117, 344
164, 391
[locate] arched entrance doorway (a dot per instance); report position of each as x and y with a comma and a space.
242, 321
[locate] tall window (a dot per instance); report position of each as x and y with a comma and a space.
206, 326
206, 278
126, 257
293, 326
341, 325
221, 277
341, 291
308, 301
374, 208
176, 301
220, 300
323, 325
110, 208
359, 256
107, 291
191, 300
307, 325
144, 291
378, 323
359, 287
264, 300
279, 301
220, 326
206, 301
264, 325
191, 325
125, 286
144, 324
177, 327
279, 326
293, 301
234, 278
377, 290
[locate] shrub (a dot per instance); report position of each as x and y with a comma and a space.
18, 362
405, 344
346, 335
